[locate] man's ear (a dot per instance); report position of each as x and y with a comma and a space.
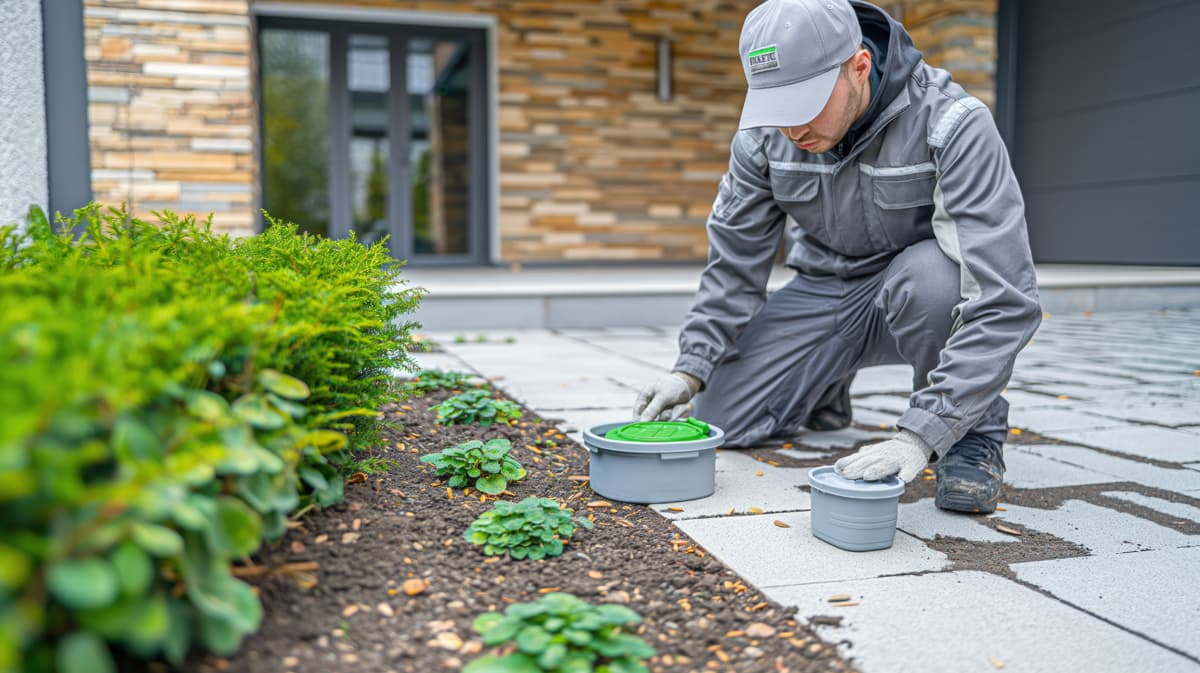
860, 65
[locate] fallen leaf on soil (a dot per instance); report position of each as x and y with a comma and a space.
350, 611
734, 634
1006, 529
927, 471
305, 581
840, 598
996, 662
760, 630
731, 511
356, 478
356, 525
349, 538
1064, 397
298, 547
599, 503
623, 522
579, 477
759, 473
448, 641
321, 539
595, 574
756, 510
848, 604
773, 463
674, 509
285, 569
787, 446
414, 586
757, 606
548, 590
1000, 509
1015, 431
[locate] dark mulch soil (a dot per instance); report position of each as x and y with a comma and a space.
333, 600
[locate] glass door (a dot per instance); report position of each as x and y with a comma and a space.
379, 132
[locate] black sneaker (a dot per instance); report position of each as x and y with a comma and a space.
969, 476
833, 409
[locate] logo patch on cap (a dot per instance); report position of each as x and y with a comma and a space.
763, 60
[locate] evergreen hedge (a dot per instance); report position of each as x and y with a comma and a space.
167, 397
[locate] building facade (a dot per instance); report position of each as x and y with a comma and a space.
495, 131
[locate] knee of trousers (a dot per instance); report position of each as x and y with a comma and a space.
922, 289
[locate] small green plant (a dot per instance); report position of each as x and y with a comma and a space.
533, 528
476, 406
488, 465
481, 339
559, 633
429, 380
460, 339
510, 340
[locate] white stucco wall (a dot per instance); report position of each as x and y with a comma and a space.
22, 110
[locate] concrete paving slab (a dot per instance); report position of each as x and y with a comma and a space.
1075, 377
443, 361
922, 519
807, 455
589, 394
883, 420
896, 404
1100, 529
739, 488
1179, 510
845, 438
1026, 470
1166, 412
972, 622
1147, 441
1047, 420
1151, 593
767, 555
1020, 399
1122, 469
883, 379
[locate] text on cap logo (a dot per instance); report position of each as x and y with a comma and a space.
762, 60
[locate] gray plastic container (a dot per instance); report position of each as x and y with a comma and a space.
853, 514
651, 472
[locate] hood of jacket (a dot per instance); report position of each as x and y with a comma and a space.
893, 57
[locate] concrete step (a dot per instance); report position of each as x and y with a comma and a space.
561, 297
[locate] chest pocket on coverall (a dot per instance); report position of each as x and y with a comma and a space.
797, 195
904, 206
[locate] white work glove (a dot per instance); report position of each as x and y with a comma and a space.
666, 398
905, 454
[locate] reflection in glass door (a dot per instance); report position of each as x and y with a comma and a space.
379, 132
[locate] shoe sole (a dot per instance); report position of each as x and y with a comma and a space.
966, 497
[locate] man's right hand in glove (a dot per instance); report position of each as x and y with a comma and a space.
666, 398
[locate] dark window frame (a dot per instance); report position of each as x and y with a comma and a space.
68, 148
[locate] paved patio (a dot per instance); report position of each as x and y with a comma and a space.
1106, 467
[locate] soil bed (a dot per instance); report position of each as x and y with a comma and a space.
332, 593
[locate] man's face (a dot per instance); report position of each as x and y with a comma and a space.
846, 104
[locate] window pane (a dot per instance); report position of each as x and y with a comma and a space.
438, 79
368, 81
295, 107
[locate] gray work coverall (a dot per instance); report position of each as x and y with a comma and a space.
910, 248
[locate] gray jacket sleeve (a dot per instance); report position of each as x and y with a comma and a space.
979, 222
744, 231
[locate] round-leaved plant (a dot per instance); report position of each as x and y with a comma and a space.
476, 406
560, 633
533, 528
487, 466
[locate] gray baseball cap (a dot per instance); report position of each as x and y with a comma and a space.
791, 52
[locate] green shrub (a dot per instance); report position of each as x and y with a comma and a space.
560, 633
169, 396
476, 406
429, 380
487, 466
533, 528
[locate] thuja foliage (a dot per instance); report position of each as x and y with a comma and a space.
560, 633
476, 406
533, 528
169, 395
486, 466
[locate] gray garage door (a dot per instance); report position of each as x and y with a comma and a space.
1107, 129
